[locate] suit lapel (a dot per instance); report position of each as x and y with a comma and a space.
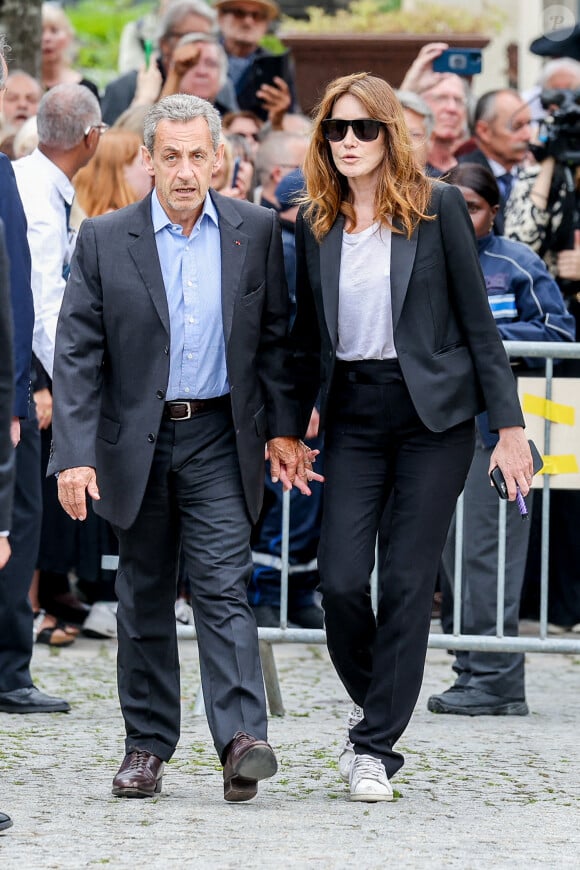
143, 250
234, 248
403, 252
330, 251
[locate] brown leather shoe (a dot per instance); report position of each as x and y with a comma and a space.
247, 761
140, 775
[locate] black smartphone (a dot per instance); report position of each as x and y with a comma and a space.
497, 477
461, 61
266, 68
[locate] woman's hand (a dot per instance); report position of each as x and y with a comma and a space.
513, 456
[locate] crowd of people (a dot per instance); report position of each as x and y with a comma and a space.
196, 270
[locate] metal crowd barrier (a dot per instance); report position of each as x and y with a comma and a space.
457, 641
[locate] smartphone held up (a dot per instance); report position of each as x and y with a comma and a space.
461, 61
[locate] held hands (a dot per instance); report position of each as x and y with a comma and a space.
512, 455
291, 463
72, 484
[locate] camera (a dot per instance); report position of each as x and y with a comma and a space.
559, 133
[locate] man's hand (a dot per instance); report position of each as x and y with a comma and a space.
313, 425
291, 463
73, 483
149, 82
276, 99
513, 456
15, 431
183, 59
43, 402
568, 263
5, 551
420, 76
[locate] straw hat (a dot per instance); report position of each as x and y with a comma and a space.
269, 6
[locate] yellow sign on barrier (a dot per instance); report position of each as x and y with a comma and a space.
562, 463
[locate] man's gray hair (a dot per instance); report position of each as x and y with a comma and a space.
180, 10
414, 103
3, 68
558, 65
64, 113
274, 151
183, 108
210, 40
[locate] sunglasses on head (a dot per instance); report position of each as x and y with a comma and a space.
365, 129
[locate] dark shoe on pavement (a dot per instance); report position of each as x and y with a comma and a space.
5, 822
31, 700
247, 761
311, 616
139, 776
468, 701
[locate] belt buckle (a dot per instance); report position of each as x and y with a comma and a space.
187, 406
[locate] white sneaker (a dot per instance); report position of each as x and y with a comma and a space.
101, 620
368, 780
346, 757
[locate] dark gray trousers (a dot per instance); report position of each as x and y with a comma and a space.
193, 500
15, 578
499, 673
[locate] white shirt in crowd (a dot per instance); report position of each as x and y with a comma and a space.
44, 189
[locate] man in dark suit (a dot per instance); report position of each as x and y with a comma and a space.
17, 692
502, 132
6, 449
170, 374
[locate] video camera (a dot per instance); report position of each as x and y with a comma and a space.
559, 134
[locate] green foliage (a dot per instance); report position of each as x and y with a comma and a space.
98, 25
386, 16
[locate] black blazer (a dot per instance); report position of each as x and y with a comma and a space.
448, 345
112, 350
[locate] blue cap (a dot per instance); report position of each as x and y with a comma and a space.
290, 188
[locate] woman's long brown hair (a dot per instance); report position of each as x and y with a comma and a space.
403, 191
101, 185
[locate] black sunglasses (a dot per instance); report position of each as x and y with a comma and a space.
365, 129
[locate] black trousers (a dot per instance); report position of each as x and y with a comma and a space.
376, 445
16, 577
193, 500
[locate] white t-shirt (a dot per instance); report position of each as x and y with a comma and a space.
365, 321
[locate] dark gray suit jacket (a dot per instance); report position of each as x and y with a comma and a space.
112, 351
448, 345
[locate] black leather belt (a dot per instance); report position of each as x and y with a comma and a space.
373, 372
184, 409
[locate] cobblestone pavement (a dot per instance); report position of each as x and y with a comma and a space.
474, 793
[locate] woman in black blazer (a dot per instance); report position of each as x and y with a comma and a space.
394, 328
